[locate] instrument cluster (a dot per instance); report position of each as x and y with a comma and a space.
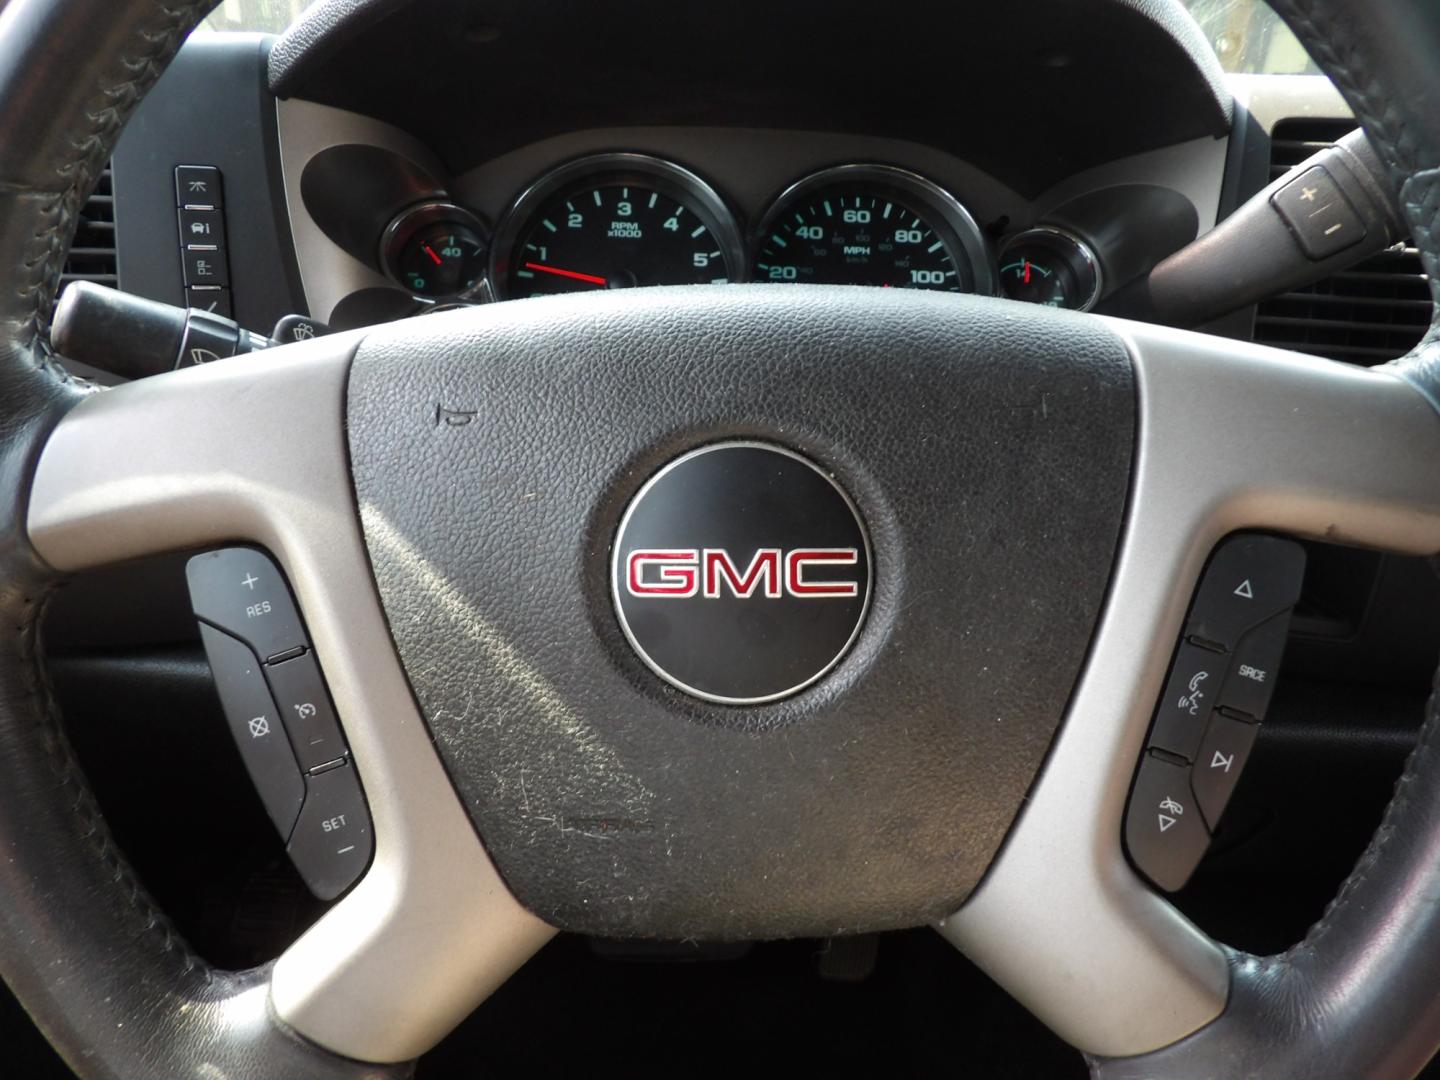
622, 220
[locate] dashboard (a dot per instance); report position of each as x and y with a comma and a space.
617, 208
549, 149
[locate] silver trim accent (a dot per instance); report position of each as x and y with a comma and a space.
951, 211
1195, 169
1231, 436
328, 272
616, 574
667, 176
1272, 98
1088, 258
254, 449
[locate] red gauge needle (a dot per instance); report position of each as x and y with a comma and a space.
431, 252
1027, 271
591, 278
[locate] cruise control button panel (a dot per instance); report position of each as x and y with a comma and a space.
1215, 695
281, 716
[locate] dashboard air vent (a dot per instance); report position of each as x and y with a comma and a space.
92, 255
1373, 312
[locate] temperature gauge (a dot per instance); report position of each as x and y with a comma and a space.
1050, 267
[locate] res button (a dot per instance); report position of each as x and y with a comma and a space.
241, 591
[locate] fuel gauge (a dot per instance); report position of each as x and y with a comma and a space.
1050, 267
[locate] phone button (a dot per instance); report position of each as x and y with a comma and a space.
1190, 694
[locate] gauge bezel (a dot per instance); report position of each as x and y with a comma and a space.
944, 213
403, 227
668, 178
1065, 244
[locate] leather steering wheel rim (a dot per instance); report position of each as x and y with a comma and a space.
136, 1000
116, 990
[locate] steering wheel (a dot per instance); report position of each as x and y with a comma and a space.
1036, 493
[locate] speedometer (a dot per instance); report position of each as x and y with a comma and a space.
616, 221
872, 225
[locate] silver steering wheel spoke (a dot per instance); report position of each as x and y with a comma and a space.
1230, 436
254, 450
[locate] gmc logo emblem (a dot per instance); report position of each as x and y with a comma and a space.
679, 573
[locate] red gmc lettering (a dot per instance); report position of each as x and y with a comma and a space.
677, 573
765, 564
800, 559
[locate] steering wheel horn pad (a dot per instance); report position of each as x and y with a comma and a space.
876, 796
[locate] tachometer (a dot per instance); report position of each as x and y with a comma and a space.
872, 225
616, 221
